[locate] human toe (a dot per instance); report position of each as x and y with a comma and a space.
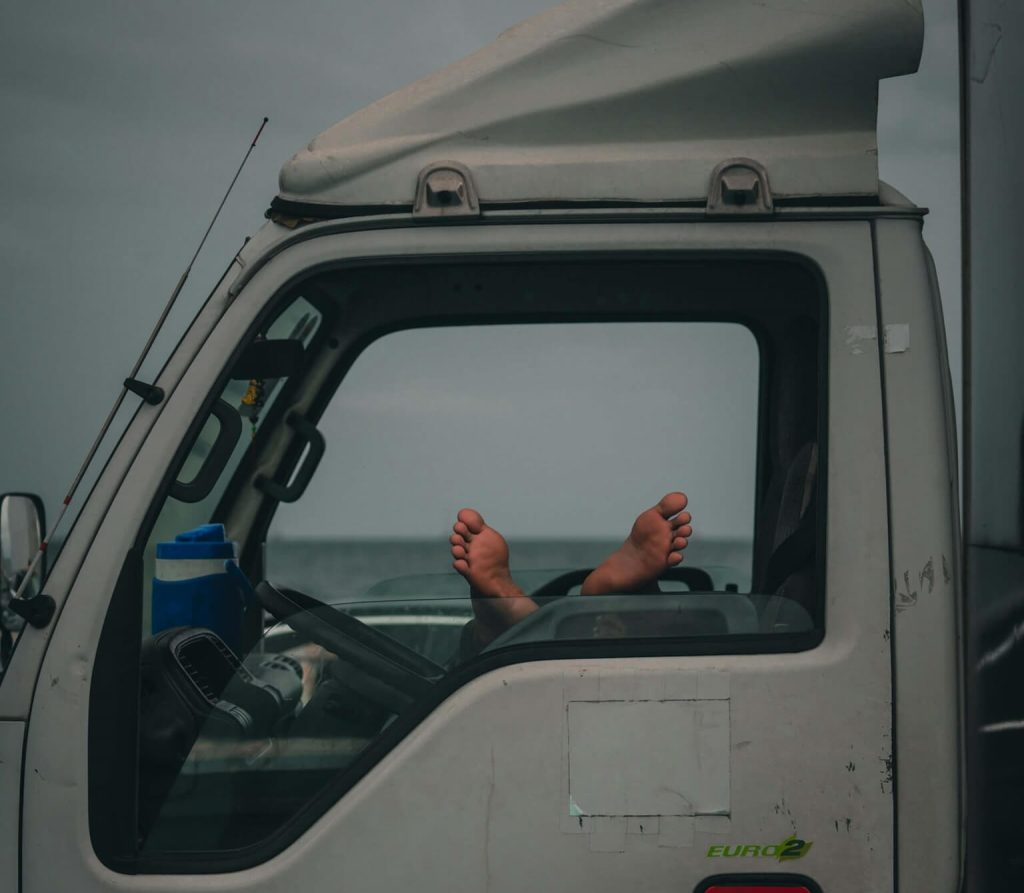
671, 504
473, 520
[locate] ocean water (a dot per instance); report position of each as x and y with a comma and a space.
368, 570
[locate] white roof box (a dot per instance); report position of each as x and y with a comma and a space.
631, 101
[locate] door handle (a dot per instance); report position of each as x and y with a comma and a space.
308, 436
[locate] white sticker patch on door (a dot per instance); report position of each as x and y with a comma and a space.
649, 758
895, 338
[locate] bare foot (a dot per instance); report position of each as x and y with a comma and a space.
480, 554
655, 543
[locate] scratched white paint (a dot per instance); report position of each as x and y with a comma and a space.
860, 339
895, 338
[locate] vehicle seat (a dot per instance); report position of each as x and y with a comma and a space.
787, 521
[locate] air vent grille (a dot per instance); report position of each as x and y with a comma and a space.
208, 663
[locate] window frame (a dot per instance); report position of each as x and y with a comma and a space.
112, 847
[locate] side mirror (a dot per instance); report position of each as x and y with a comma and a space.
22, 528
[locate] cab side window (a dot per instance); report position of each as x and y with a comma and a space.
558, 436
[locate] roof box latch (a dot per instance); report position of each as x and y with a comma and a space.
739, 186
445, 189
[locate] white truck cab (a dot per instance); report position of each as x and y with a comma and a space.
632, 247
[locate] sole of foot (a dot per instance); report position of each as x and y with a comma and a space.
656, 542
481, 555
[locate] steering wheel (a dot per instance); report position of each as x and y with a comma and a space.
698, 580
385, 671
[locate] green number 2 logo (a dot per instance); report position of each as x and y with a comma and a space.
793, 848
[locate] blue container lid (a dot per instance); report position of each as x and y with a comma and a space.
207, 541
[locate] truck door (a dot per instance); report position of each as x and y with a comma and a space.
356, 719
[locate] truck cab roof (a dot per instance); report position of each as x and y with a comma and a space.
630, 102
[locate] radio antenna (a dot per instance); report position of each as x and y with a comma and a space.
149, 393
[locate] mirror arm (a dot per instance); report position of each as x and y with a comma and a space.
37, 611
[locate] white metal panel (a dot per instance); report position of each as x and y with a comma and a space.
477, 796
634, 100
923, 492
12, 739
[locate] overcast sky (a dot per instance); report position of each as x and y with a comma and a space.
552, 432
124, 121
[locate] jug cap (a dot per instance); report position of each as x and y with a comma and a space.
205, 541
